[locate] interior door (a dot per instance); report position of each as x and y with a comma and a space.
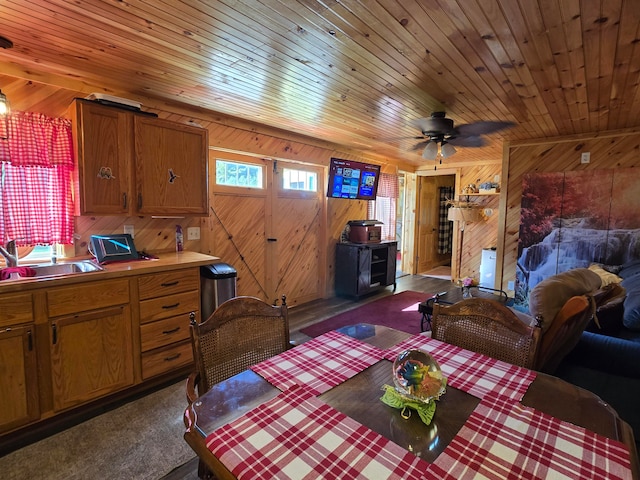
427, 224
270, 235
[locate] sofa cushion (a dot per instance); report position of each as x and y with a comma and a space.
548, 297
606, 277
631, 317
630, 269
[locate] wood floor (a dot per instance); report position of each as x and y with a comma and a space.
313, 312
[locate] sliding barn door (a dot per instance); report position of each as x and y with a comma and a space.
270, 235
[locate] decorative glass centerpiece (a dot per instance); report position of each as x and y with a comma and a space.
418, 384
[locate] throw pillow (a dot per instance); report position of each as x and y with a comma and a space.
606, 277
549, 296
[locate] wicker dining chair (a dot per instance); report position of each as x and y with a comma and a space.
486, 326
241, 332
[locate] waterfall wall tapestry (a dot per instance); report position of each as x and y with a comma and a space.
573, 219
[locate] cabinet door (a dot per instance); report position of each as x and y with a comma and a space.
18, 378
103, 139
171, 167
392, 258
364, 270
91, 355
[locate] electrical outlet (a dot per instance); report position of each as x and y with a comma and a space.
511, 285
193, 233
585, 157
130, 230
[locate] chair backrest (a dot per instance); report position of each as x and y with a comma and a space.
241, 332
486, 326
564, 332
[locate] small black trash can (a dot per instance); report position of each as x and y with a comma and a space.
217, 285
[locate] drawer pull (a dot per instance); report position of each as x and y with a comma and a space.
172, 357
170, 284
30, 340
173, 330
168, 307
54, 332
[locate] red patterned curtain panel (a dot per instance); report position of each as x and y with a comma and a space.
36, 162
383, 208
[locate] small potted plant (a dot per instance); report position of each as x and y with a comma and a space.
467, 283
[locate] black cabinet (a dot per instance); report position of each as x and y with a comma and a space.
363, 268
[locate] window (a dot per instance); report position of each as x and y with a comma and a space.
299, 180
383, 208
36, 166
237, 174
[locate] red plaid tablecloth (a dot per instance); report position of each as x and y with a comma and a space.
504, 440
296, 436
320, 363
471, 372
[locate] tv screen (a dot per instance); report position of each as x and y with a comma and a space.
353, 180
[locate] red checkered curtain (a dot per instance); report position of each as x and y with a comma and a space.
383, 208
36, 164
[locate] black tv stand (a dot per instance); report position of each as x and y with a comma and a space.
362, 268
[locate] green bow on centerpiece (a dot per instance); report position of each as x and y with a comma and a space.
418, 384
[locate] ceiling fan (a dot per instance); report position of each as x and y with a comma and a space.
437, 129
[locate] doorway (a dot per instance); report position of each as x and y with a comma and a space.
434, 246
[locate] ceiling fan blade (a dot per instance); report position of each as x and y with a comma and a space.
482, 128
467, 141
419, 146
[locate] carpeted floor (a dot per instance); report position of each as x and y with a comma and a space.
140, 440
399, 311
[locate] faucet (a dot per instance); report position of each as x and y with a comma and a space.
10, 253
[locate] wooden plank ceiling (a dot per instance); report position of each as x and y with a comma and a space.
353, 72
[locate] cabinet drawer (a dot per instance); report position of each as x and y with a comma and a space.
173, 305
87, 296
15, 309
164, 332
166, 359
161, 284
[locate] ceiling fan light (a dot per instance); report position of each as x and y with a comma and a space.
430, 151
446, 150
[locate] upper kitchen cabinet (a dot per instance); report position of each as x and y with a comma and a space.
171, 167
130, 163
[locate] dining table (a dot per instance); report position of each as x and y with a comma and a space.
315, 411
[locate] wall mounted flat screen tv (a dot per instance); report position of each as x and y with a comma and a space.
353, 180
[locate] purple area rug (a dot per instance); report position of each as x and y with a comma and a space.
399, 311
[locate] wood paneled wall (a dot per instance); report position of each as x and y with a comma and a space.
477, 235
608, 150
228, 134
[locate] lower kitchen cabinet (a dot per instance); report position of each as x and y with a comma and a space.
68, 345
166, 299
18, 377
91, 355
90, 339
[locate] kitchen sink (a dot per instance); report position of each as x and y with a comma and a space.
64, 268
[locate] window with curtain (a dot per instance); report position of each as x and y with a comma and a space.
36, 164
383, 208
